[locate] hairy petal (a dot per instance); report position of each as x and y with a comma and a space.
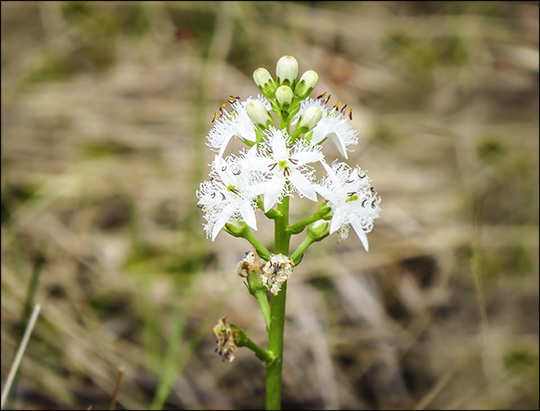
303, 185
361, 234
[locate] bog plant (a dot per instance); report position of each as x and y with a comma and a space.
284, 131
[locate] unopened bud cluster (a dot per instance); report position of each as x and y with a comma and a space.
286, 86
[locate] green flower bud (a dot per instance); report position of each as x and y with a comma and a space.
258, 113
324, 210
284, 95
306, 85
310, 118
287, 70
265, 82
318, 230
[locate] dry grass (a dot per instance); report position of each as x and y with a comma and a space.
104, 111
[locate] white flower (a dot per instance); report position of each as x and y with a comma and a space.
276, 271
283, 163
234, 124
229, 194
352, 200
333, 125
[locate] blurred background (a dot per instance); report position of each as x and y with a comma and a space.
105, 109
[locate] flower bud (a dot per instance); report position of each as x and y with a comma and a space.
318, 230
265, 82
261, 76
284, 95
310, 118
287, 70
258, 113
306, 85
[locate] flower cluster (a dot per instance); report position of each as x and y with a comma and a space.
284, 131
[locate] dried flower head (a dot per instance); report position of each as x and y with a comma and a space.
248, 264
276, 271
226, 346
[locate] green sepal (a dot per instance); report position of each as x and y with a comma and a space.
319, 232
269, 89
247, 142
302, 91
255, 285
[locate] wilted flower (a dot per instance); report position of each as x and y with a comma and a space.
276, 271
226, 346
248, 264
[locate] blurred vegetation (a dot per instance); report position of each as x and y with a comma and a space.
105, 106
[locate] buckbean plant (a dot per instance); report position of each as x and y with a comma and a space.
284, 131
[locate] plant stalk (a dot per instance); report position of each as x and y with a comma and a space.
265, 307
277, 314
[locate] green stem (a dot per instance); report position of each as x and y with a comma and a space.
301, 249
321, 214
277, 315
271, 214
261, 249
265, 307
261, 353
245, 232
299, 226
